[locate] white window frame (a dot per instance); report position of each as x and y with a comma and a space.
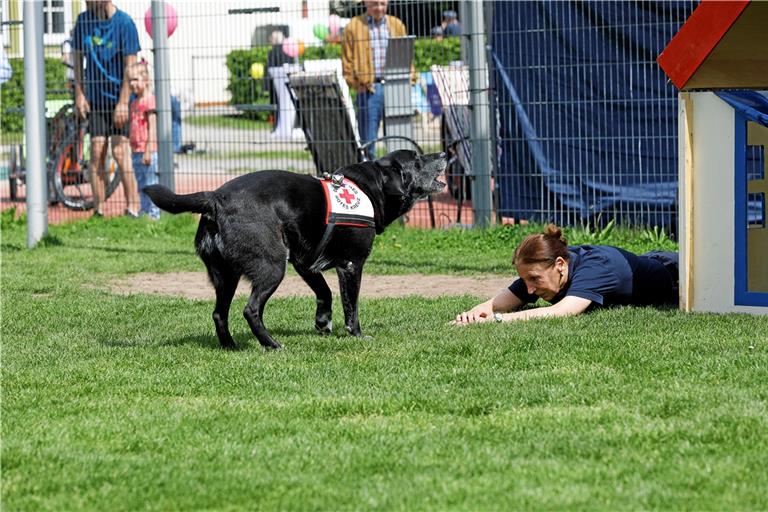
56, 39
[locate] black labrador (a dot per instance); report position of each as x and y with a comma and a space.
253, 224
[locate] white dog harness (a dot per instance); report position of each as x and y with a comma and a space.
345, 205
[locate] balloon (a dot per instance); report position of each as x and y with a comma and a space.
257, 70
171, 20
291, 47
334, 24
320, 31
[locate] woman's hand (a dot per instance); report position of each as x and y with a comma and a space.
146, 158
478, 314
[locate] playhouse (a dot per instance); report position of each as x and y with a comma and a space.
719, 62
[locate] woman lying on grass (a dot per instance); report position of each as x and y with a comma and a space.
576, 279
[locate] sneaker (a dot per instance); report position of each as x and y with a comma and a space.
97, 214
133, 215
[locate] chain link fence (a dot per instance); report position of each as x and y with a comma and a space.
580, 124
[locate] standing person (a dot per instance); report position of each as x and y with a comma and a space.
106, 40
576, 279
275, 58
363, 53
450, 24
143, 135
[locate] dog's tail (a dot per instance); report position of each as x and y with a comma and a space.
199, 202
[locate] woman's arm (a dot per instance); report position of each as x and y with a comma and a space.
569, 306
503, 301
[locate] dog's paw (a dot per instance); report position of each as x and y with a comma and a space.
324, 328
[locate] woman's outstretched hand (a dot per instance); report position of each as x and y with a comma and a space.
478, 314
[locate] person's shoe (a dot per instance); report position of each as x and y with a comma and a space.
97, 214
133, 215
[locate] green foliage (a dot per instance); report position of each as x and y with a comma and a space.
243, 88
323, 51
12, 92
657, 237
594, 235
429, 52
9, 220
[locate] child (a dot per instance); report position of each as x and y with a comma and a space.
143, 135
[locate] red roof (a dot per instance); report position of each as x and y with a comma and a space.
693, 46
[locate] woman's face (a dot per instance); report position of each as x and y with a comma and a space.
544, 281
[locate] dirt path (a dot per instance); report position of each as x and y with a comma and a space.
195, 285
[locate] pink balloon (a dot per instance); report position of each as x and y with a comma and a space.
334, 24
171, 20
291, 47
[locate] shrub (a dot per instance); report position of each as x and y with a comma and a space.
12, 92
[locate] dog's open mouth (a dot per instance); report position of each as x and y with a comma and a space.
437, 184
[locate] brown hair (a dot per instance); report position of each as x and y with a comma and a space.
543, 247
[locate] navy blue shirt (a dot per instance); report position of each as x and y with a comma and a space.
611, 276
104, 45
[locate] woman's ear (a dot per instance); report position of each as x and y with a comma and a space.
561, 264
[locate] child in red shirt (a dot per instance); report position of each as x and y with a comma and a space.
143, 135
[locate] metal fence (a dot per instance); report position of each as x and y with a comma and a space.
246, 96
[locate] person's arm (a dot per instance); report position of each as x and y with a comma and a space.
81, 102
569, 306
146, 159
121, 109
503, 301
348, 57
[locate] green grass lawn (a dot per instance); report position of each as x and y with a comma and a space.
114, 402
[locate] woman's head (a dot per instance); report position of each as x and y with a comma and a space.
542, 262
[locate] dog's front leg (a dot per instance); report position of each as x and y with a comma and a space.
350, 276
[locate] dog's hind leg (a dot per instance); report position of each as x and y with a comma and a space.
323, 295
350, 277
265, 281
225, 284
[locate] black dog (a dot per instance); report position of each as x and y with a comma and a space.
251, 225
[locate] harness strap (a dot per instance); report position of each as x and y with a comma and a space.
322, 245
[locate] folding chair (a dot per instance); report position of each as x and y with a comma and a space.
328, 122
452, 84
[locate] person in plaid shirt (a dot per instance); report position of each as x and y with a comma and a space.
363, 52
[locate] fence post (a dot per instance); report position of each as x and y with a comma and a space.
34, 121
163, 94
480, 112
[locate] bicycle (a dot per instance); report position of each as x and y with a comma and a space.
68, 167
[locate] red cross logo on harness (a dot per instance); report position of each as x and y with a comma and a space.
347, 196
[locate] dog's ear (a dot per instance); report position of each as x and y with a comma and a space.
399, 159
399, 166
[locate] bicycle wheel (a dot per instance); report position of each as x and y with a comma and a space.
70, 169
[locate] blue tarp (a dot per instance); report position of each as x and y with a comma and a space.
588, 121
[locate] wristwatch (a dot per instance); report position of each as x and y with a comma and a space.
497, 317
